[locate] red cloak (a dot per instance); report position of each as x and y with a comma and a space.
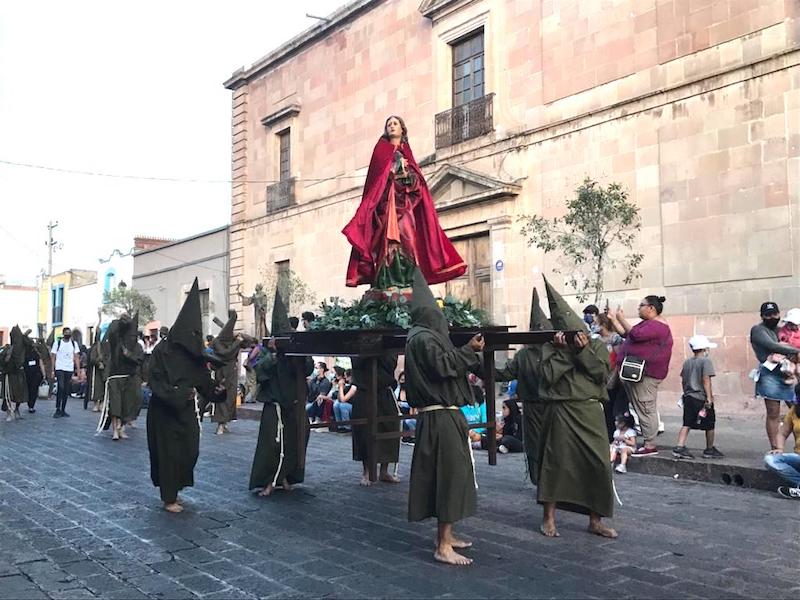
436, 257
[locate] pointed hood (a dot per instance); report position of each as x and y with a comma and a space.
225, 345
17, 347
187, 332
280, 316
425, 311
561, 315
51, 338
539, 320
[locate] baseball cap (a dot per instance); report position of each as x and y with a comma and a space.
793, 316
701, 342
768, 308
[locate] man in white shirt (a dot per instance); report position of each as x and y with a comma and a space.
65, 355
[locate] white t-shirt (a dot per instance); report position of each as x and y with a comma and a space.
629, 433
64, 355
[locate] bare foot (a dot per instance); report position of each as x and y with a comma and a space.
603, 530
122, 433
115, 437
549, 530
365, 482
178, 500
286, 486
267, 491
389, 478
173, 507
456, 543
220, 430
446, 554
225, 428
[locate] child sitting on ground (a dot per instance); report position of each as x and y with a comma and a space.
698, 399
624, 442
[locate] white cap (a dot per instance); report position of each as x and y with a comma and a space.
701, 342
793, 316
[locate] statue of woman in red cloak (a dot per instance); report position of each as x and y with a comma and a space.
395, 227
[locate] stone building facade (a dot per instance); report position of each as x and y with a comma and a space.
693, 105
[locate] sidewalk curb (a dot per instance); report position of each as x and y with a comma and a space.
699, 469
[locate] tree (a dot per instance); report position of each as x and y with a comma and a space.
595, 235
123, 299
294, 290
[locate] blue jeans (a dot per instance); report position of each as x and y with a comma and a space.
342, 411
786, 465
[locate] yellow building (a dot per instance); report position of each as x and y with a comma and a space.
70, 299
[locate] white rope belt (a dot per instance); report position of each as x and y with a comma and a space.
433, 407
279, 438
104, 412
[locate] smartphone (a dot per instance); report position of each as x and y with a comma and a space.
264, 340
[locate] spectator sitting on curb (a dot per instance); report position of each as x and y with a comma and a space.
787, 465
790, 334
475, 413
698, 398
623, 443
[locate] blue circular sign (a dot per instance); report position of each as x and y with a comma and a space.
499, 265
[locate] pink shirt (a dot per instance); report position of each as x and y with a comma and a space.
651, 341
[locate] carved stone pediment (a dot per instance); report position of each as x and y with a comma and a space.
431, 8
454, 187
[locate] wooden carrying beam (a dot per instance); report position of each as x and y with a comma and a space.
371, 344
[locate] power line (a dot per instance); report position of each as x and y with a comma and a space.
166, 179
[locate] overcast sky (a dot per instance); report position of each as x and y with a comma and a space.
125, 88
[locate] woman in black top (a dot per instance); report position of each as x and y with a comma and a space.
509, 434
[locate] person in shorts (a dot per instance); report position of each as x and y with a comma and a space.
698, 398
623, 442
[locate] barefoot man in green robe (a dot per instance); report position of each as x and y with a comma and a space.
574, 471
442, 470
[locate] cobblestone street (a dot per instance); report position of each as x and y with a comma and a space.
79, 518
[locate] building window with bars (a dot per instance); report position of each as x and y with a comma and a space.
280, 195
57, 295
472, 112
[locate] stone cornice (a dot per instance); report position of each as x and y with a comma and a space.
434, 9
311, 35
292, 110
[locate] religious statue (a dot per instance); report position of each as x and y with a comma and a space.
395, 228
259, 302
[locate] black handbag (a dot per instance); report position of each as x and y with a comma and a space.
632, 369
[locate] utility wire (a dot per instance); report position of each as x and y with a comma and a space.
167, 179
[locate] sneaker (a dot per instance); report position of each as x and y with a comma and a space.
792, 493
682, 452
712, 453
645, 451
31, 410
502, 449
621, 468
64, 413
9, 417
57, 414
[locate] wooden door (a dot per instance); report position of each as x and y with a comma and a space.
476, 283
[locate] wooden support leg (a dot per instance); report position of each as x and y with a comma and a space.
372, 419
301, 420
488, 384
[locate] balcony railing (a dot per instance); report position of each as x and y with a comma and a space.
280, 195
465, 122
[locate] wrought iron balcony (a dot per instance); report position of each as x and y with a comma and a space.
280, 195
465, 122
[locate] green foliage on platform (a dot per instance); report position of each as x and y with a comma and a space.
394, 313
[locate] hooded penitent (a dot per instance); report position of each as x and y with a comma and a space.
177, 369
573, 462
226, 347
539, 320
278, 447
14, 385
442, 475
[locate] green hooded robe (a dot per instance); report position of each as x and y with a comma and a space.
15, 387
442, 471
178, 370
227, 347
574, 470
278, 447
95, 370
524, 367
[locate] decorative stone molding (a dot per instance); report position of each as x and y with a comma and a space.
287, 112
475, 188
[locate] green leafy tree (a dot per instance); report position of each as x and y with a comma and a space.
295, 292
124, 299
594, 236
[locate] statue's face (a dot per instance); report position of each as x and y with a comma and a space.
394, 129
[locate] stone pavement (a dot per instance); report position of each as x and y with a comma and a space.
80, 519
